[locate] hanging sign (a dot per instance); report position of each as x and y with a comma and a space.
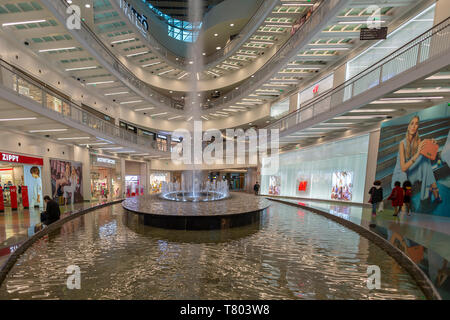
373, 34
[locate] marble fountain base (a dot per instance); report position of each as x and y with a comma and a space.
238, 210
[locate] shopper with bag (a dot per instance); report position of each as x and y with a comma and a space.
376, 196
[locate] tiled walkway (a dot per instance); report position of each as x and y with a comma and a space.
16, 226
424, 238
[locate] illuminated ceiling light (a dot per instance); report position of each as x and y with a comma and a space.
331, 49
231, 24
175, 117
231, 110
164, 72
100, 82
93, 144
204, 53
190, 118
205, 118
216, 34
261, 42
405, 100
158, 114
191, 62
22, 22
124, 40
218, 48
359, 22
47, 130
426, 90
111, 148
129, 102
57, 49
198, 76
277, 25
361, 117
137, 54
213, 73
374, 110
116, 93
74, 138
182, 76
439, 77
142, 109
18, 119
150, 64
297, 4
87, 5
82, 68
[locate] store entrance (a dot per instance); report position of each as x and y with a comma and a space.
14, 177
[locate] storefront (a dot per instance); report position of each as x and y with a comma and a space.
156, 180
162, 142
135, 178
105, 178
21, 181
330, 171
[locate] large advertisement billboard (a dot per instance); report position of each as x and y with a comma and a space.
67, 180
415, 148
33, 180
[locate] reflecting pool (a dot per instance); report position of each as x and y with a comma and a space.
290, 254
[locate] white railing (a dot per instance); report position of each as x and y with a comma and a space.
25, 86
431, 44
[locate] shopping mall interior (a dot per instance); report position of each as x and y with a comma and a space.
225, 150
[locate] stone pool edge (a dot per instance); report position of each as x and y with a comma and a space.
12, 259
402, 259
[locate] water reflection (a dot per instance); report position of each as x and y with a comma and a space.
291, 254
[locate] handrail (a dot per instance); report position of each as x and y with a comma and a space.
317, 20
23, 84
426, 46
218, 56
98, 49
101, 52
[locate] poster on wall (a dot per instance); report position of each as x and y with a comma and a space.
342, 185
416, 148
274, 185
303, 184
67, 181
33, 180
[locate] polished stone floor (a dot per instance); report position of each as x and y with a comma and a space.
424, 238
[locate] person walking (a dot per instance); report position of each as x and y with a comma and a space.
407, 189
376, 196
51, 213
256, 188
397, 197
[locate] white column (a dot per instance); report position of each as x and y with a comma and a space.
82, 155
372, 157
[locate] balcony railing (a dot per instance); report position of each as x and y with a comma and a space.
429, 45
14, 79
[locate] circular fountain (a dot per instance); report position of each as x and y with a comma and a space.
211, 191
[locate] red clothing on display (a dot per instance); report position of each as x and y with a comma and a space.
397, 197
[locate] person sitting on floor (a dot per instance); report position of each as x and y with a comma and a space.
51, 213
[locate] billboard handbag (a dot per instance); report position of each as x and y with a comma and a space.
430, 149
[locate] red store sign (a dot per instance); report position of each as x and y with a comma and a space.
15, 158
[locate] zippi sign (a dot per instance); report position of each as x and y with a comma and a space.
15, 158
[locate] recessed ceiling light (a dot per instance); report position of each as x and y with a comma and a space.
116, 93
22, 22
129, 102
18, 119
47, 130
142, 109
216, 34
204, 53
57, 49
218, 48
101, 82
87, 5
74, 138
231, 24
82, 68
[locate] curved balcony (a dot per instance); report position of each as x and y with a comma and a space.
424, 55
42, 101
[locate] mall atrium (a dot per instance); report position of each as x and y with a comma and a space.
224, 150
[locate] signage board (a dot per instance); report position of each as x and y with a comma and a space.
15, 158
373, 34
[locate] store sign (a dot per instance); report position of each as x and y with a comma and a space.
106, 160
15, 158
139, 20
374, 34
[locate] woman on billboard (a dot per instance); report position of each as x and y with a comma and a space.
414, 164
